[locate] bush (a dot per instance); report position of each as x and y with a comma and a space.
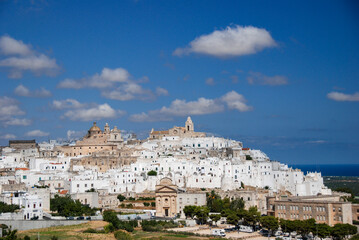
120, 235
27, 238
129, 205
109, 228
8, 207
152, 173
157, 226
111, 217
90, 230
131, 199
153, 204
146, 204
121, 197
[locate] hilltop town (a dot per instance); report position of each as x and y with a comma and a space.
175, 168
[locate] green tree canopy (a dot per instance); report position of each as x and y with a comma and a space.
269, 222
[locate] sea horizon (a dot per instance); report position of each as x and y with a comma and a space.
347, 170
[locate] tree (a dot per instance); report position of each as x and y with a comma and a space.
201, 213
121, 197
339, 230
66, 206
213, 202
322, 230
232, 218
304, 227
269, 222
215, 217
237, 204
152, 173
189, 211
252, 216
4, 207
248, 157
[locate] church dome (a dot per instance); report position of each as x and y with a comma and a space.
95, 128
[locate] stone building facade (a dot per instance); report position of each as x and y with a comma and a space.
324, 209
166, 198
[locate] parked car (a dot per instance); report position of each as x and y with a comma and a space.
80, 218
247, 229
218, 232
70, 218
88, 218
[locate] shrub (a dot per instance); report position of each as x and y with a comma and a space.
121, 197
153, 204
27, 238
129, 205
120, 235
146, 204
156, 226
109, 228
152, 173
90, 230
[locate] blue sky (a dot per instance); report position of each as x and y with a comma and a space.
281, 76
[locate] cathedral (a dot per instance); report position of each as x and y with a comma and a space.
184, 132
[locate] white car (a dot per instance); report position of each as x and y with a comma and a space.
246, 229
218, 232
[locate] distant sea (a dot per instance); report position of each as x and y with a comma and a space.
331, 169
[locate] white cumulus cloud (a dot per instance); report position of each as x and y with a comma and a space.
202, 106
342, 97
230, 42
114, 84
10, 46
102, 111
37, 133
23, 91
236, 101
21, 58
261, 79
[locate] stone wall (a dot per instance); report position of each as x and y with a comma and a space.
22, 225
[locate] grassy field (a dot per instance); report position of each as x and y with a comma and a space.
75, 232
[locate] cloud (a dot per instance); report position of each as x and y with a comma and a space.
66, 104
129, 91
114, 84
23, 91
317, 142
18, 122
73, 135
21, 58
161, 91
10, 46
37, 133
8, 136
236, 101
260, 79
342, 97
201, 106
9, 107
230, 42
210, 81
93, 113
